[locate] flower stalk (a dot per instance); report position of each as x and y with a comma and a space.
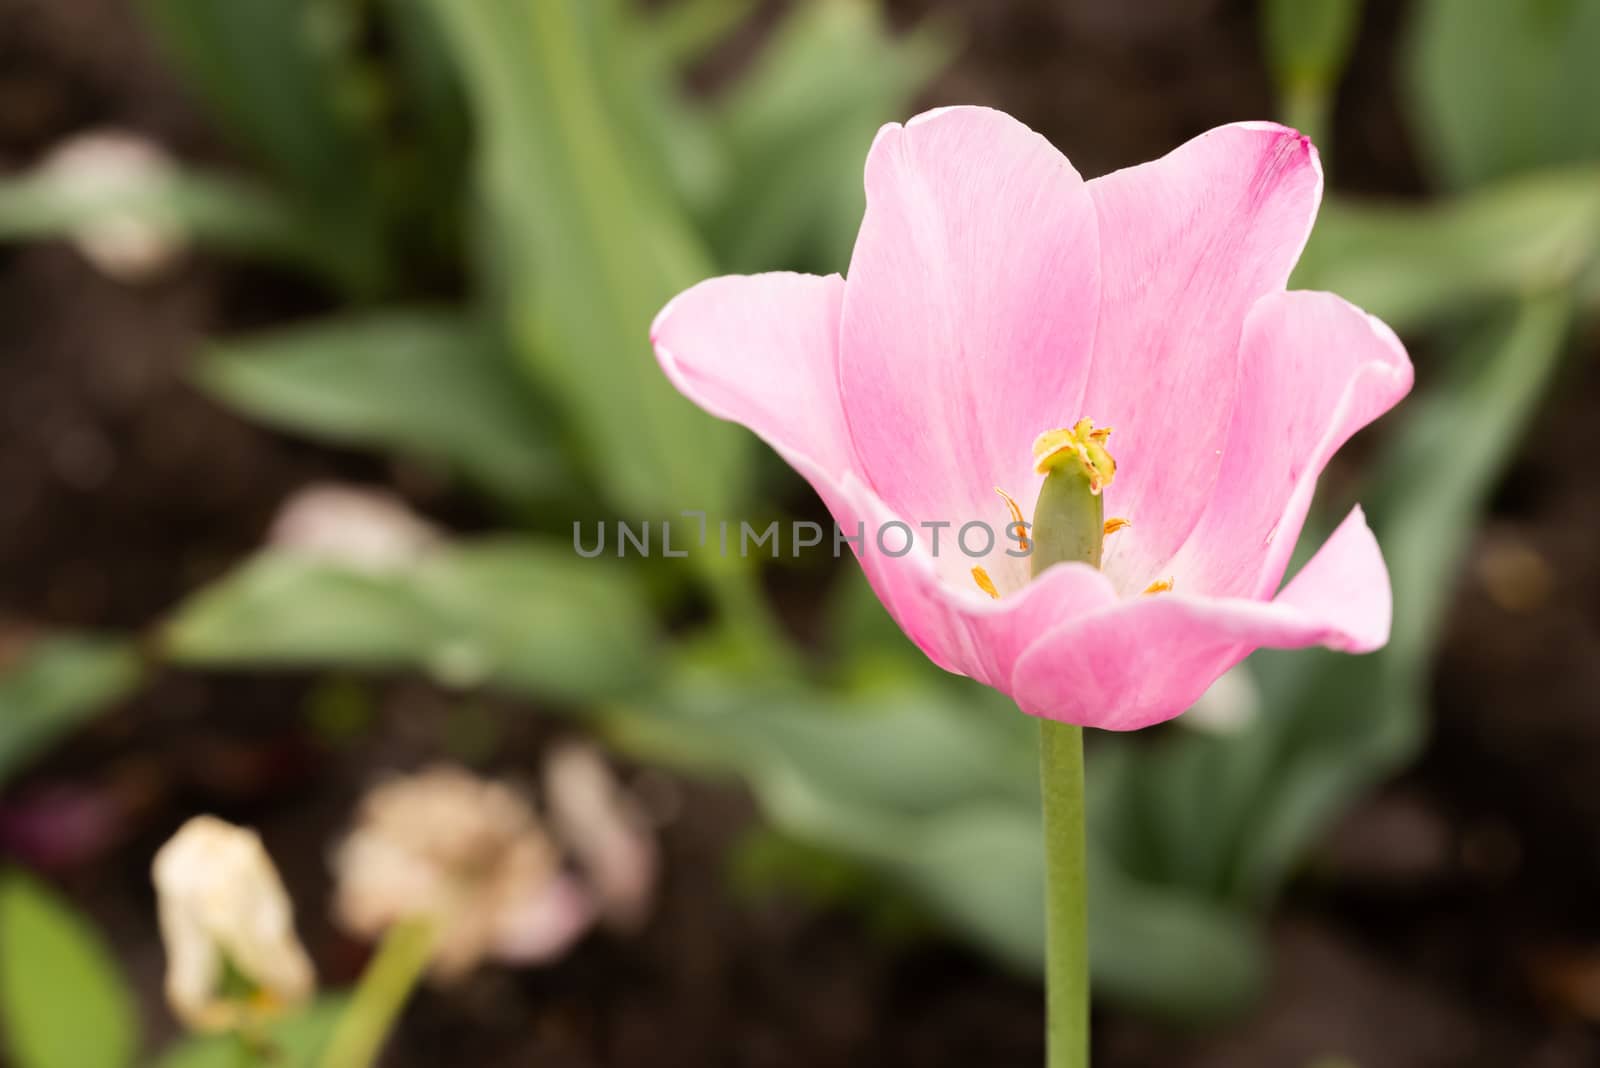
384, 989
1066, 895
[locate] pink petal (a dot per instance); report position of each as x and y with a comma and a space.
762, 350
958, 626
969, 314
1188, 243
1146, 660
1314, 370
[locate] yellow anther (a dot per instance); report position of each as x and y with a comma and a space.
1159, 586
1113, 525
1018, 524
985, 583
1082, 440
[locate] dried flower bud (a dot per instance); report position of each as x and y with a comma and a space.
468, 854
100, 170
363, 529
233, 958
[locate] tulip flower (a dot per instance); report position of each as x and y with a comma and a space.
1122, 355
995, 296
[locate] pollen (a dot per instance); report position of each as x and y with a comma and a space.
1018, 524
985, 583
1082, 440
1159, 586
1115, 524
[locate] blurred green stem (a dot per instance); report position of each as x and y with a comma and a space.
1066, 897
747, 615
380, 995
1307, 107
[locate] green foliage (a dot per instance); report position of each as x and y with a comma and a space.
798, 129
593, 251
684, 30
278, 75
293, 1042
1308, 43
935, 788
209, 209
432, 383
1230, 816
1502, 88
602, 191
54, 687
63, 1002
1417, 266
515, 614
382, 992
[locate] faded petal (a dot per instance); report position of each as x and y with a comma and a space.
1188, 243
969, 313
605, 830
1146, 660
543, 927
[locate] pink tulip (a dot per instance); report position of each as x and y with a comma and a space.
993, 296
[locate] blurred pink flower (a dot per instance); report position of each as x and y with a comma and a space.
994, 295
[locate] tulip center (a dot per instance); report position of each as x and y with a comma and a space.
1069, 523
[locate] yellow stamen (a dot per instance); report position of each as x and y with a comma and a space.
1083, 440
1159, 586
1018, 524
1115, 524
985, 583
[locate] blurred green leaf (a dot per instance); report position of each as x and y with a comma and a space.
686, 28
594, 249
272, 73
518, 615
432, 383
62, 999
1499, 88
207, 209
55, 686
292, 1042
1308, 43
1414, 266
799, 127
665, 139
951, 816
1230, 816
431, 82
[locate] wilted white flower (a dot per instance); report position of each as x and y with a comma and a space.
232, 954
101, 170
364, 529
467, 854
605, 829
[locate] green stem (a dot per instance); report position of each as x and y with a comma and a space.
1308, 107
743, 610
1066, 897
380, 995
